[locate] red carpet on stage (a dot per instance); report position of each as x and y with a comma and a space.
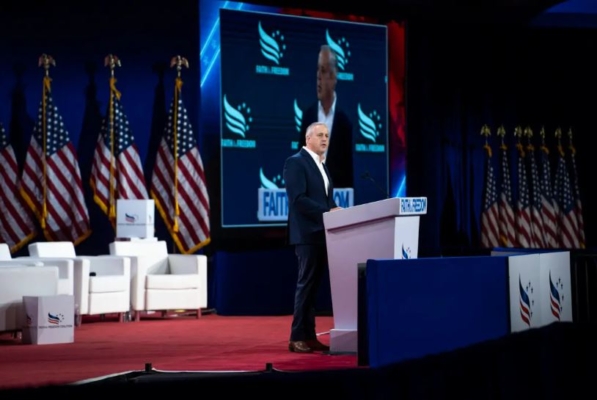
183, 343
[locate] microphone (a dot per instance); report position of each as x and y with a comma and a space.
366, 175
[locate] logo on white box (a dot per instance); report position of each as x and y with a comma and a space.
556, 297
527, 301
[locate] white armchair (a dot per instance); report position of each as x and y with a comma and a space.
5, 252
101, 283
65, 267
18, 281
66, 270
162, 281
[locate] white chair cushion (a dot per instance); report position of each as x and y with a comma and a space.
52, 249
108, 284
171, 282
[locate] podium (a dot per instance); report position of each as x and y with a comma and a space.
386, 229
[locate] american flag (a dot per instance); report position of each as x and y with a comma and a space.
506, 221
578, 203
567, 223
16, 225
116, 172
51, 181
178, 181
489, 217
523, 206
549, 206
537, 238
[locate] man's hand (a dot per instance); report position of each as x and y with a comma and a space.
336, 209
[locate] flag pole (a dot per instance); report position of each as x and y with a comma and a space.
177, 62
558, 135
485, 131
46, 62
112, 62
570, 144
518, 134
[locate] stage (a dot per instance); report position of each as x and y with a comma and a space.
218, 355
181, 343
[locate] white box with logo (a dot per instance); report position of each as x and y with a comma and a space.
135, 218
49, 319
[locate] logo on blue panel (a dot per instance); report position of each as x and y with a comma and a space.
272, 48
298, 120
237, 120
341, 48
370, 127
556, 297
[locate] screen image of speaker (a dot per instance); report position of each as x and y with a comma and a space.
268, 94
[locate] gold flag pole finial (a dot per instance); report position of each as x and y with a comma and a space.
501, 132
570, 144
518, 133
111, 61
543, 145
558, 135
528, 133
178, 62
485, 131
45, 61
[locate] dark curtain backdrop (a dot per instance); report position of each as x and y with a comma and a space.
463, 76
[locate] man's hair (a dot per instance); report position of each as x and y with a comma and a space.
333, 58
311, 127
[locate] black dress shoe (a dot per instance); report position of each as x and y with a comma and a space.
316, 345
299, 346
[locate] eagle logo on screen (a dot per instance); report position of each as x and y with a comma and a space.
275, 183
237, 118
298, 116
341, 48
369, 124
272, 46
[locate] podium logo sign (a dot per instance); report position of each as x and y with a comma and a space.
238, 122
272, 48
413, 205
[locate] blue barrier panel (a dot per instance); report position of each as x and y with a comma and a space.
424, 306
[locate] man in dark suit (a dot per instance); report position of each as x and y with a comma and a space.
310, 194
326, 110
